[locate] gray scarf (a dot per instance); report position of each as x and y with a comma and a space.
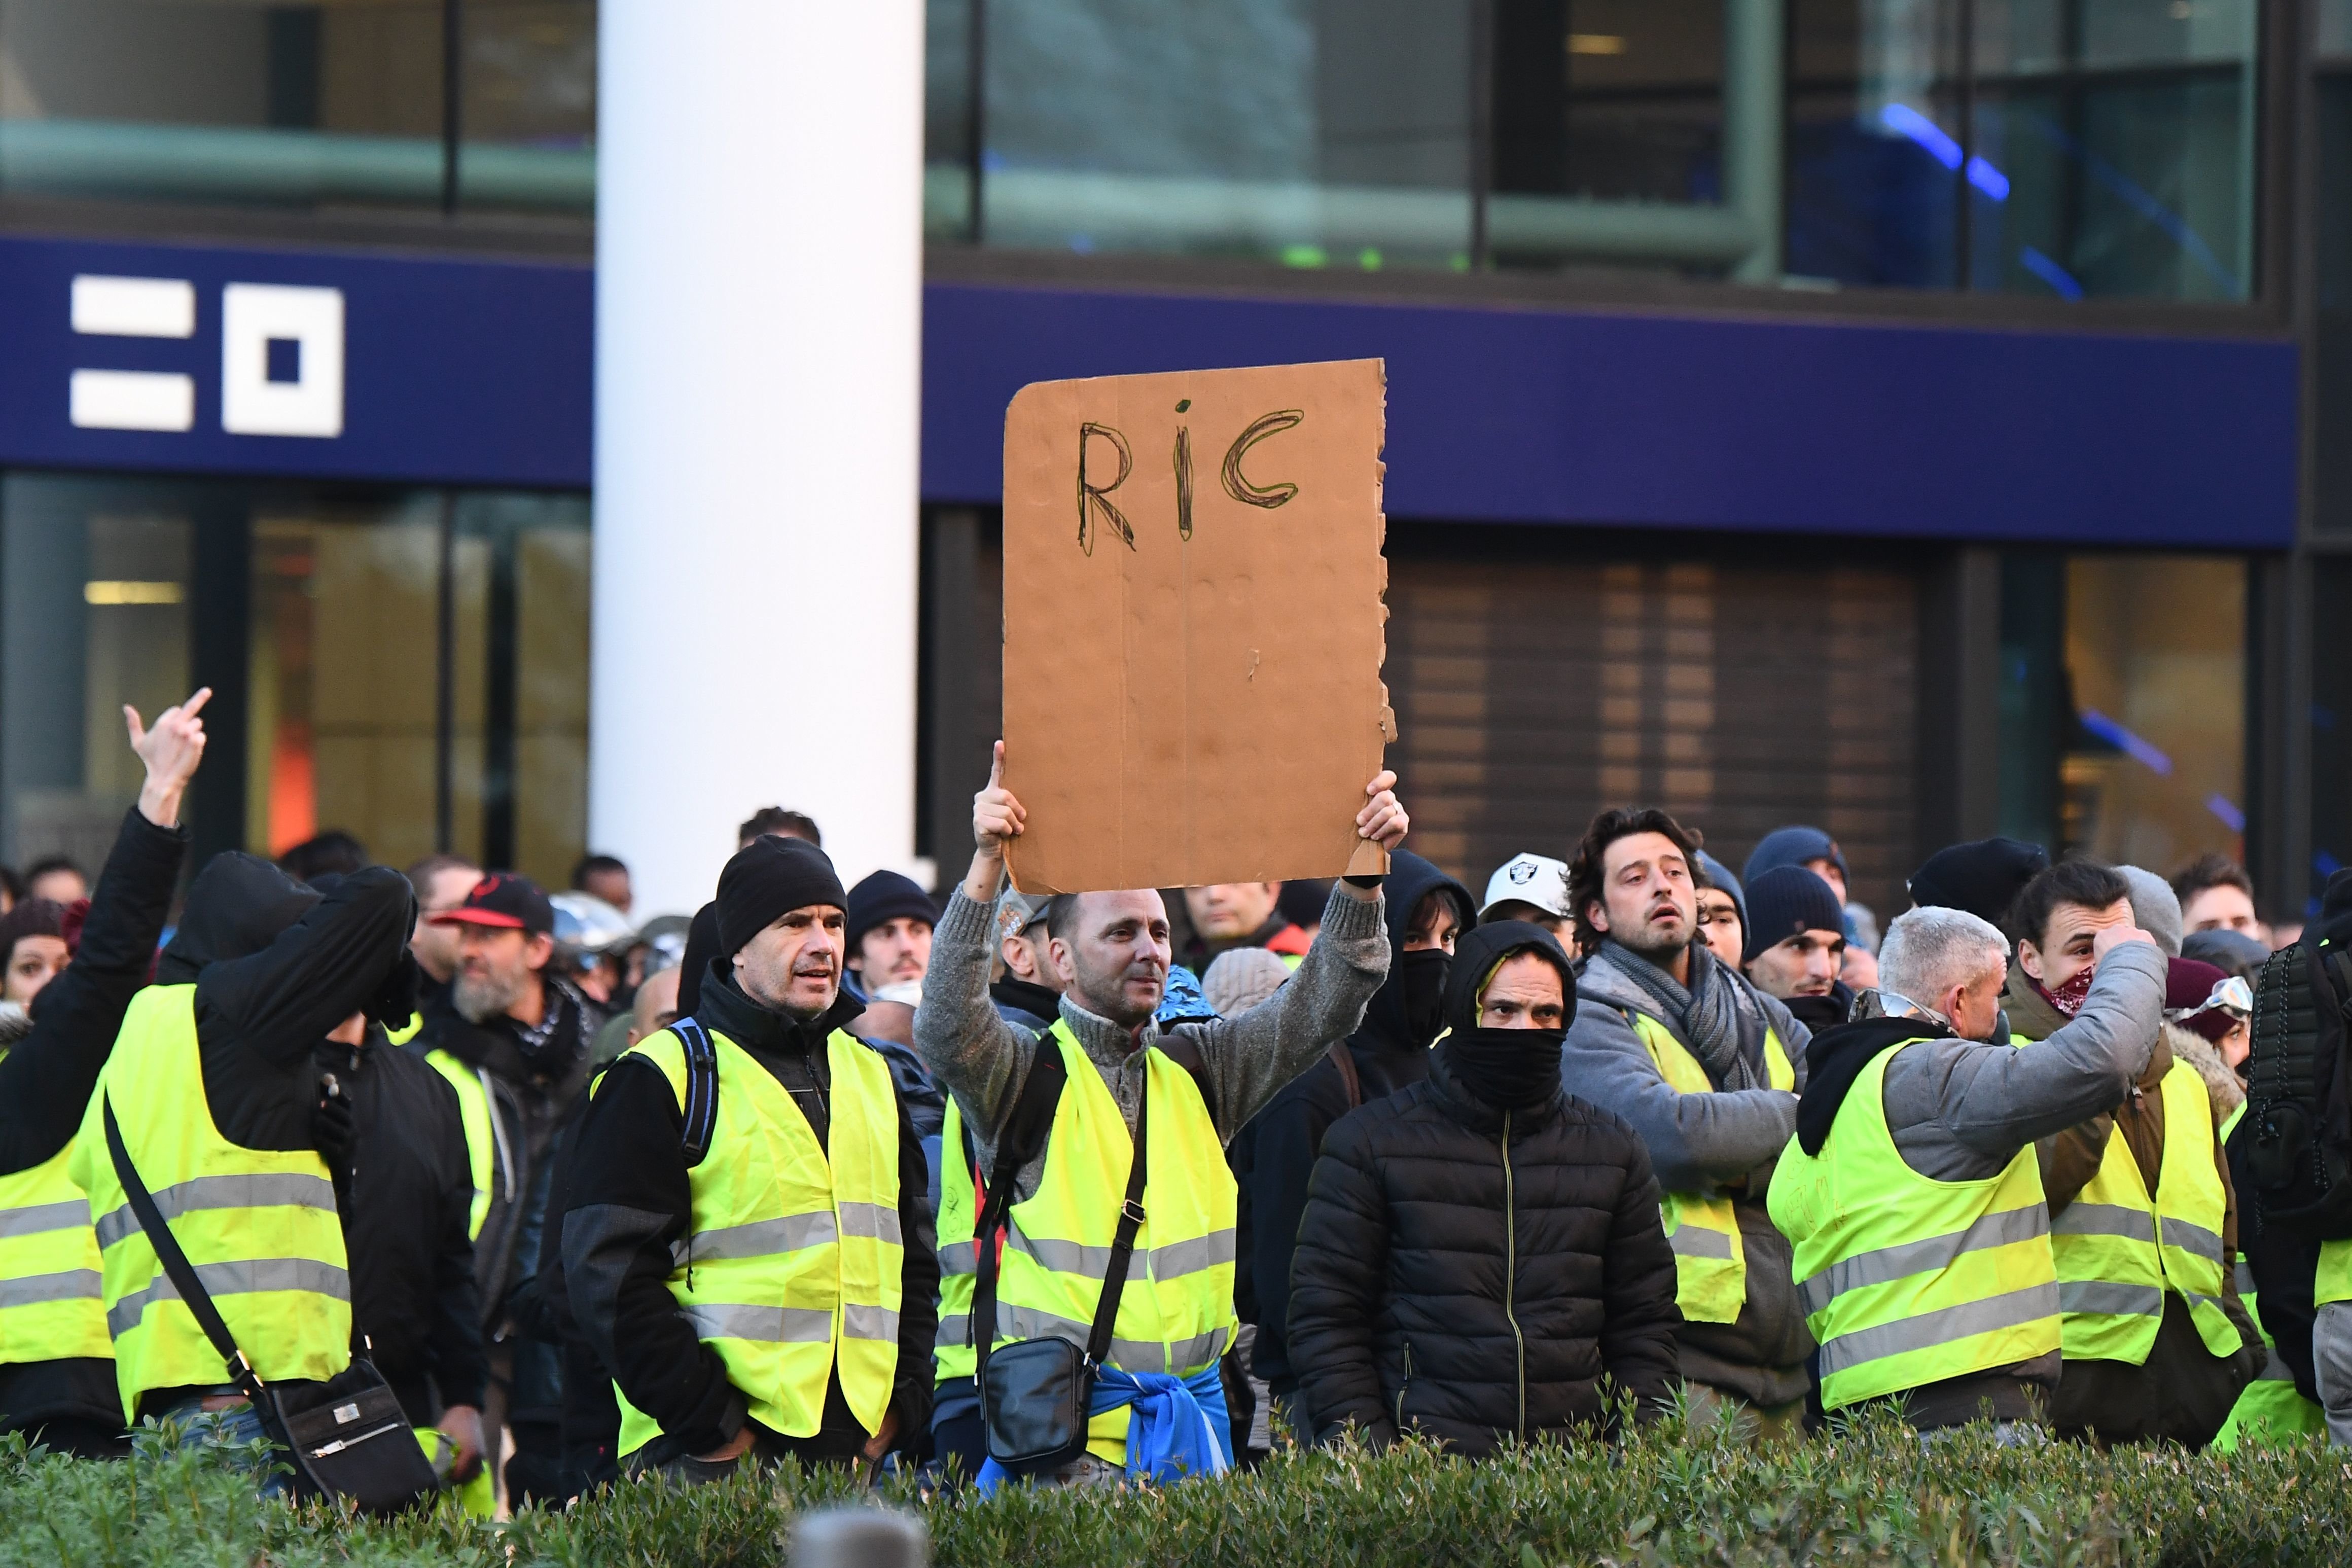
1727, 1038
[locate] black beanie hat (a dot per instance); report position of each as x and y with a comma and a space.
768, 877
1983, 878
884, 897
1784, 901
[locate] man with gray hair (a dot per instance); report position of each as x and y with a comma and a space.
1912, 1191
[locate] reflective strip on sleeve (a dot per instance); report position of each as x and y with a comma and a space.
1690, 1240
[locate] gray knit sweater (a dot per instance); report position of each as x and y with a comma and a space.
982, 1060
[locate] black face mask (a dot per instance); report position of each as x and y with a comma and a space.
1511, 1069
1422, 974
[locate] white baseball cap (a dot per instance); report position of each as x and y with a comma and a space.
1537, 880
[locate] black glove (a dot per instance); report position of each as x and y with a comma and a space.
331, 1124
395, 1002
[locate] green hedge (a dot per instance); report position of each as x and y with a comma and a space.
1666, 1496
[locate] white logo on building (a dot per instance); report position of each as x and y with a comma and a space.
281, 357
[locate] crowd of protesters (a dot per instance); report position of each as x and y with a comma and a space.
805, 1172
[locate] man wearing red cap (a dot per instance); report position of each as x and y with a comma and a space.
514, 1040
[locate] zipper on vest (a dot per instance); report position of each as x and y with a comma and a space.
1511, 1270
1402, 1386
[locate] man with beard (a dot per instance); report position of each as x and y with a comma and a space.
746, 1235
1108, 1071
1794, 946
1275, 1153
1706, 1069
514, 1040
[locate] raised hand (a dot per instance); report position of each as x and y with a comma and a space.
996, 817
171, 749
1383, 820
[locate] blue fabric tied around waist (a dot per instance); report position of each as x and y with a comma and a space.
1180, 1426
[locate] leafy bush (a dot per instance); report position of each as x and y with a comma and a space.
1669, 1494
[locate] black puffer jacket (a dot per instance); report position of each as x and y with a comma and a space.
1276, 1150
1474, 1272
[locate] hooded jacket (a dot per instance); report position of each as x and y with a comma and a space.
1472, 1272
1728, 1141
46, 1083
1276, 1151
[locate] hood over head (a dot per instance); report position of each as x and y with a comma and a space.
1411, 879
1478, 954
238, 904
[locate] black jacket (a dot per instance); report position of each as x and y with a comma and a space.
1476, 1272
408, 1198
1275, 1151
631, 1198
276, 966
47, 1078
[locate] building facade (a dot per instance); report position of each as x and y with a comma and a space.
1926, 418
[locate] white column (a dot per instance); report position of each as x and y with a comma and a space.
759, 295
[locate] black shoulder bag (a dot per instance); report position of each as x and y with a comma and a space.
1035, 1393
348, 1436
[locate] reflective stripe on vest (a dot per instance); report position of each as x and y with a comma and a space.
259, 1225
2118, 1250
476, 1114
1176, 1312
952, 1353
792, 1261
1710, 1260
51, 1304
1909, 1280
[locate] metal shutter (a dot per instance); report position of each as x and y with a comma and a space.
1532, 692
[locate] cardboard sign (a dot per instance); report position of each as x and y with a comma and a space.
1194, 624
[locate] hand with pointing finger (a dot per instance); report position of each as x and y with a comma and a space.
171, 749
997, 819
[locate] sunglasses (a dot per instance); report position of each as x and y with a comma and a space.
2231, 995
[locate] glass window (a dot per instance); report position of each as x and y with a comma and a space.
528, 86
2154, 772
1307, 130
2331, 723
2097, 148
315, 613
297, 106
2332, 342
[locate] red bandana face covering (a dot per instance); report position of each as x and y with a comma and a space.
2068, 998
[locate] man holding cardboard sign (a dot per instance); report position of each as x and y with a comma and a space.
1057, 1116
1193, 634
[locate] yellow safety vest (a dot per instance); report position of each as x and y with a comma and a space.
1710, 1259
1176, 1313
953, 1353
50, 1305
2332, 1281
259, 1225
406, 1032
2118, 1250
1907, 1280
479, 1119
792, 1259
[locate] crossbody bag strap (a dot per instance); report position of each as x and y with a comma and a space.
182, 1273
1122, 1242
1021, 1138
1349, 1079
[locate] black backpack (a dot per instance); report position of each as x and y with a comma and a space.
2295, 1139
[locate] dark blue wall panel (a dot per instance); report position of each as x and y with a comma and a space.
470, 371
1527, 415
